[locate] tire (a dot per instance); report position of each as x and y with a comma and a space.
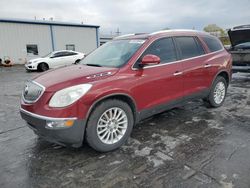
220, 87
95, 124
43, 67
77, 61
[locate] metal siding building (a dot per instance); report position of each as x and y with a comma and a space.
16, 36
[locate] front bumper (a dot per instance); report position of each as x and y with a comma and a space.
30, 67
69, 136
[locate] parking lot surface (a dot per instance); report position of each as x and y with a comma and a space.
190, 146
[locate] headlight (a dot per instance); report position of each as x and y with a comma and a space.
67, 96
33, 61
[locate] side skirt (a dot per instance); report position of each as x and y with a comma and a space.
167, 106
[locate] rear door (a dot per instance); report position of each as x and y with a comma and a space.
192, 59
71, 58
59, 59
159, 85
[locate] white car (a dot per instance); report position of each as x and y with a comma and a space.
54, 60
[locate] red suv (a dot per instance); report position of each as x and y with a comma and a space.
122, 82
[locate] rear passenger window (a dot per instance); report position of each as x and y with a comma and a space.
163, 48
189, 47
212, 43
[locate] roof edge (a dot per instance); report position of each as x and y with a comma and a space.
44, 22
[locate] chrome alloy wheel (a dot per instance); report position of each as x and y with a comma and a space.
112, 125
219, 92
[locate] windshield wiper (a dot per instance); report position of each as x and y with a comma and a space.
94, 65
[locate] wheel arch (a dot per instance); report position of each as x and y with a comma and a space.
225, 75
41, 63
120, 96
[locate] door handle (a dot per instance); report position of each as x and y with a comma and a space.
177, 73
207, 65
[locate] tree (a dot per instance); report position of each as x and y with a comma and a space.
213, 29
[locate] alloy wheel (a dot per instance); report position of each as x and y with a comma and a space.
219, 92
112, 125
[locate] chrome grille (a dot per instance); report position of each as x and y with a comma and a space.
32, 92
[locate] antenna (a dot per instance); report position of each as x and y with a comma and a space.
118, 32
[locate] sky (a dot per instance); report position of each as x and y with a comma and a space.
133, 16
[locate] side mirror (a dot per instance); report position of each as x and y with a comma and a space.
150, 60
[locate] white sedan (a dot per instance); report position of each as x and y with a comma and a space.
54, 60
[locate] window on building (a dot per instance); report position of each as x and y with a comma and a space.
212, 43
70, 47
189, 47
32, 49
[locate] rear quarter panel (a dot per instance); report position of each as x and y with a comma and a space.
221, 61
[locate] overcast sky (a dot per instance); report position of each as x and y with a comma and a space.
133, 15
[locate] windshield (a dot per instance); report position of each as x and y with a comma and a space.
113, 54
245, 45
48, 55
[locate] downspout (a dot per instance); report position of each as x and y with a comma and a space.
52, 38
97, 37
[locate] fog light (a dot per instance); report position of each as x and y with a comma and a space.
59, 124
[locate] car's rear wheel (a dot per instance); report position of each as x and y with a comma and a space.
109, 125
43, 67
218, 92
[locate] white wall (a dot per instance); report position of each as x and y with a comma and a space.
83, 38
15, 36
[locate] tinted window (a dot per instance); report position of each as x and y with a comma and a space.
163, 48
60, 54
212, 43
71, 53
189, 47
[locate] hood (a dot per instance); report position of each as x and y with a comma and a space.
57, 79
239, 35
37, 59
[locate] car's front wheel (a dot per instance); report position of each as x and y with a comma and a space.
109, 125
43, 67
218, 92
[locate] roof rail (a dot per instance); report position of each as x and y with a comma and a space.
122, 36
128, 35
171, 30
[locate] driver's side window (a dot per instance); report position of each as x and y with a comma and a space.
163, 48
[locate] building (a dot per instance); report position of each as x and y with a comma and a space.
105, 38
21, 40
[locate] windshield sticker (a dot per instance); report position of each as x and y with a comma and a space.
137, 41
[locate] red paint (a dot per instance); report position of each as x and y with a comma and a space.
150, 59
